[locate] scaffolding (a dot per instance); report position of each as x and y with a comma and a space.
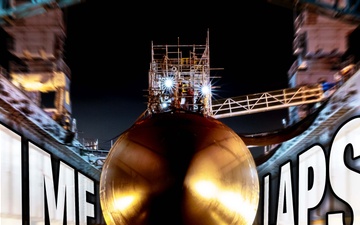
179, 78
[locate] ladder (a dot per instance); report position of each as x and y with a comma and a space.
266, 101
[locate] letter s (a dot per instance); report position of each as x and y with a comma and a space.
344, 181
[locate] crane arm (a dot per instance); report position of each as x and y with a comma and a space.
12, 10
348, 10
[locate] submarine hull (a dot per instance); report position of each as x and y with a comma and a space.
182, 167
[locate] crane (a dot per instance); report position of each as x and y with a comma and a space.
12, 10
36, 65
348, 10
198, 70
321, 35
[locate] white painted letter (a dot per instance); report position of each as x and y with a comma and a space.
285, 215
85, 209
344, 181
40, 174
10, 177
308, 198
266, 200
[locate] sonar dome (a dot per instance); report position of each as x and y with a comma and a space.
179, 169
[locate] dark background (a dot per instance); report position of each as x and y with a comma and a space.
108, 51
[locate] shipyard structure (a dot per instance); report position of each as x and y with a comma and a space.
308, 174
308, 171
46, 177
311, 176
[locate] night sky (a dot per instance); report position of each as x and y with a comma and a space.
108, 51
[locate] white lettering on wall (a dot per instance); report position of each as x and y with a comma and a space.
85, 209
40, 176
41, 182
310, 194
266, 199
10, 177
66, 189
344, 181
285, 214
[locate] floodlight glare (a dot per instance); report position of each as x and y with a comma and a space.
168, 83
164, 105
205, 90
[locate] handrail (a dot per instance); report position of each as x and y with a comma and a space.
260, 102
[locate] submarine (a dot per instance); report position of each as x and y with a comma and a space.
308, 172
177, 164
191, 168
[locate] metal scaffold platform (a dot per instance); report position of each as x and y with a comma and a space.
266, 101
